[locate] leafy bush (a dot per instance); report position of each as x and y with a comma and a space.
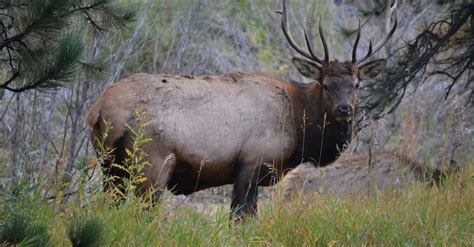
85, 232
20, 229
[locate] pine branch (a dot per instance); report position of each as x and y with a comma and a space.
5, 84
45, 71
85, 8
418, 59
31, 36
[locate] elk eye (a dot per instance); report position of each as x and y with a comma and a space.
357, 85
325, 87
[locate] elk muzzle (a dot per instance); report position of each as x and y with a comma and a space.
343, 112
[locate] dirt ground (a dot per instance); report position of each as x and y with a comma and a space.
212, 200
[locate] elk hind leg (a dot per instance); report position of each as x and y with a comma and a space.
113, 175
158, 173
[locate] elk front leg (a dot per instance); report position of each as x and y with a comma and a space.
245, 192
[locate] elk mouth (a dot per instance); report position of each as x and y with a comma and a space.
344, 119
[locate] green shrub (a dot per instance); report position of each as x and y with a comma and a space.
20, 229
85, 232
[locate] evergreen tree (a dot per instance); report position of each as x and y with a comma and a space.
38, 48
444, 48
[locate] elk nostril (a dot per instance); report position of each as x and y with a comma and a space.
344, 109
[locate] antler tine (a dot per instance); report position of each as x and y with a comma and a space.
384, 41
310, 47
356, 44
325, 45
285, 28
379, 45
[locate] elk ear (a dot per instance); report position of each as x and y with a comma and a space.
307, 68
371, 69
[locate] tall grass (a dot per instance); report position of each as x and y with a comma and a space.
416, 216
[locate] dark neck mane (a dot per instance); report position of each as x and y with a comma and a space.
322, 139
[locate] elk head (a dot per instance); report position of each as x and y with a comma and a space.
337, 81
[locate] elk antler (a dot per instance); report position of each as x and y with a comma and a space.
311, 55
378, 46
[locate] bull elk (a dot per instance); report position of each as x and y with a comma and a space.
242, 128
